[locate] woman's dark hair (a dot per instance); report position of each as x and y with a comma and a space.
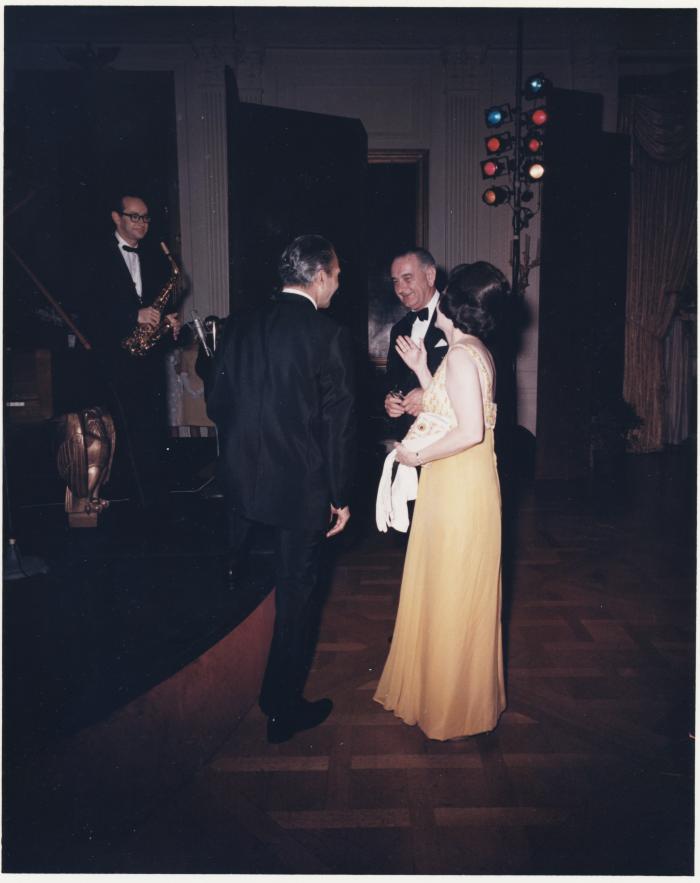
303, 258
474, 298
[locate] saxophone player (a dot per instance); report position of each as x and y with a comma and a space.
122, 276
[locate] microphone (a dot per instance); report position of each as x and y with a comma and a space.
199, 328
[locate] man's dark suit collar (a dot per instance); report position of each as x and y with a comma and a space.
433, 332
294, 298
117, 257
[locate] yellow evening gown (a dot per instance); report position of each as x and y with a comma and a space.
445, 666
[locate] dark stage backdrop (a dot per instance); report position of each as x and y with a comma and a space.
293, 172
585, 204
71, 139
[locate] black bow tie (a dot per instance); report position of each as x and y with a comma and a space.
129, 248
422, 315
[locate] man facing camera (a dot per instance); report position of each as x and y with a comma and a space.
413, 276
119, 281
282, 398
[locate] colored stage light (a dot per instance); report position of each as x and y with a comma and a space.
499, 143
537, 117
536, 86
498, 115
534, 170
534, 143
492, 168
496, 195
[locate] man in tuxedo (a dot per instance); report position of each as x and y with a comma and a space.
282, 398
121, 277
413, 276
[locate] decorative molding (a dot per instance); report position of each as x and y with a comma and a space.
390, 91
211, 59
250, 65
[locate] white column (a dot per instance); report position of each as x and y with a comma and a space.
203, 167
463, 129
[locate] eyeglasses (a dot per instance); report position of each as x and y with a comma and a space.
133, 216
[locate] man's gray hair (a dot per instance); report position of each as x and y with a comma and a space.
425, 259
304, 257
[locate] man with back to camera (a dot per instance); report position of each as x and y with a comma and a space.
413, 276
282, 397
120, 279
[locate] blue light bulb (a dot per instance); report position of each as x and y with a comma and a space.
494, 117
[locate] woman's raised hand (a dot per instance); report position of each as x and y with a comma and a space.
413, 353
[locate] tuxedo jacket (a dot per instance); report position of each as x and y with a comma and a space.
282, 397
400, 376
109, 302
107, 313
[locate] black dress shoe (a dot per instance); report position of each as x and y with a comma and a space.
306, 716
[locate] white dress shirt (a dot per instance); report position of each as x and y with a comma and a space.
133, 265
420, 326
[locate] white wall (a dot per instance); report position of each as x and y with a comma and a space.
434, 99
413, 83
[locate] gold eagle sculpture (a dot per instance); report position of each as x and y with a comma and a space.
84, 459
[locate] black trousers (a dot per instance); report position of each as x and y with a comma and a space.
137, 403
297, 559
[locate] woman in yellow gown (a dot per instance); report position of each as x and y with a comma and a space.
445, 666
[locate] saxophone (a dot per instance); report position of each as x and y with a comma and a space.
144, 337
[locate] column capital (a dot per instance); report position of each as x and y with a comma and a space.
211, 58
250, 64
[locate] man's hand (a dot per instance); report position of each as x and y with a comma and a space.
148, 316
393, 405
174, 321
342, 516
413, 402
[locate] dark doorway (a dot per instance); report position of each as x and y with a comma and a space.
397, 218
71, 139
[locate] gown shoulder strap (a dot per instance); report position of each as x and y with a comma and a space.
481, 366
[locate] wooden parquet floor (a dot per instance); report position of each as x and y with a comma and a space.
589, 771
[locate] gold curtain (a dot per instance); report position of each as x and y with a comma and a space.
661, 242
